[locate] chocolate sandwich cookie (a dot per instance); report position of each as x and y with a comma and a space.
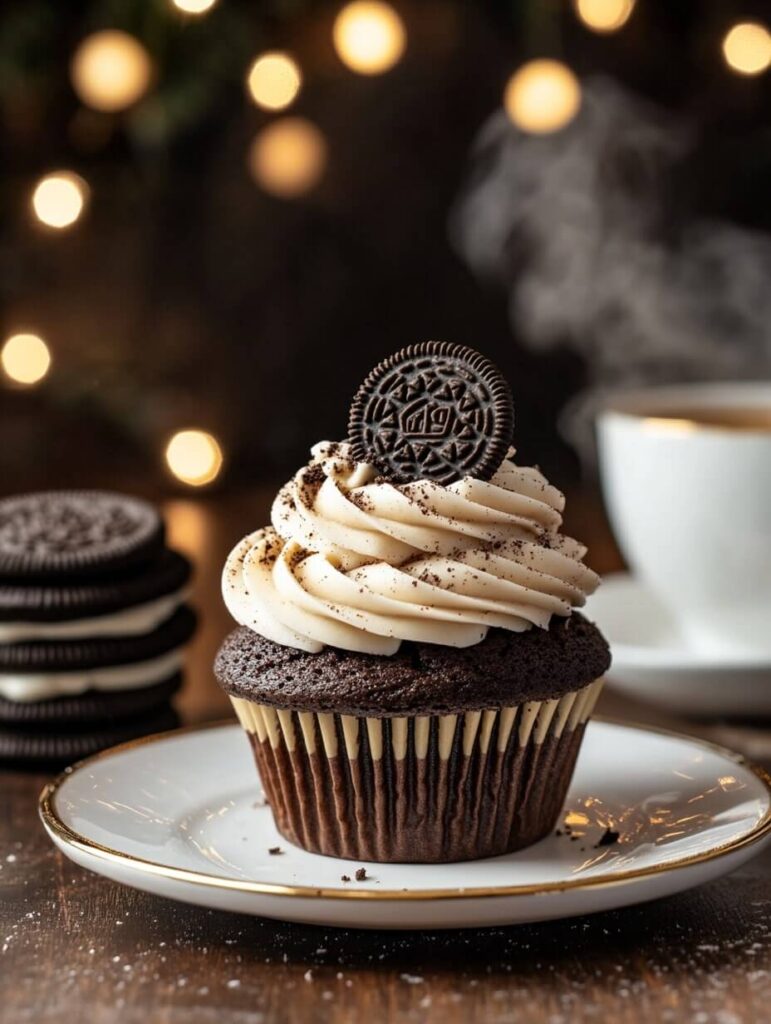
93, 706
63, 601
57, 656
24, 748
433, 411
51, 534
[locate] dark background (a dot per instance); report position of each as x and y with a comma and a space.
186, 296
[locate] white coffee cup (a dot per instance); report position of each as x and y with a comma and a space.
686, 474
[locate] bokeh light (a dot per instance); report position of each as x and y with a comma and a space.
194, 457
747, 48
194, 6
604, 15
274, 80
542, 96
111, 70
189, 524
288, 157
59, 199
369, 36
25, 359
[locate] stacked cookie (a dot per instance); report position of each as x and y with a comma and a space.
93, 622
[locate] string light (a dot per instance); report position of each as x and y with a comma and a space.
274, 80
542, 96
111, 70
26, 359
194, 6
194, 457
59, 199
288, 157
369, 36
604, 15
747, 48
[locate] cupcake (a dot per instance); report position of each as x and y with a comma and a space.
409, 666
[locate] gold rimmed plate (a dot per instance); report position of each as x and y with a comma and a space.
181, 815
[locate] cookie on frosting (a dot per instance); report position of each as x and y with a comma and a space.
433, 411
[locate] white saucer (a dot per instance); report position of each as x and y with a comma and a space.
179, 815
653, 661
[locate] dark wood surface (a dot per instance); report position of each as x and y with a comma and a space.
76, 947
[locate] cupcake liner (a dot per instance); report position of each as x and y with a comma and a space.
418, 788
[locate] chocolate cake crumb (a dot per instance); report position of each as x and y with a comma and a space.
361, 874
608, 838
345, 878
273, 850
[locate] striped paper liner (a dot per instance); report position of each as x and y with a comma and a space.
418, 788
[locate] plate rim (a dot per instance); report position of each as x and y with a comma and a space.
69, 837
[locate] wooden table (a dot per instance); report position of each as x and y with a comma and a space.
74, 946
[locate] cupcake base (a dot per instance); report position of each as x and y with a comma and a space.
420, 788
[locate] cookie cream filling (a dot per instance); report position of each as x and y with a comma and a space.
129, 622
32, 686
141, 619
355, 562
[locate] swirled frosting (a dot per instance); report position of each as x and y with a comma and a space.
355, 562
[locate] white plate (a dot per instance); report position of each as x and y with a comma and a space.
179, 815
653, 661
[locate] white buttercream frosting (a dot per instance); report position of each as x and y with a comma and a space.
355, 562
33, 686
141, 619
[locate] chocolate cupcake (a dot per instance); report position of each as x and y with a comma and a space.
409, 668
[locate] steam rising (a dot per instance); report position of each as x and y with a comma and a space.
579, 227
